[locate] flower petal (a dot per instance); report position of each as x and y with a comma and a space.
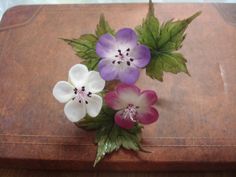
113, 101
74, 110
94, 82
63, 91
107, 70
106, 46
147, 98
126, 38
128, 94
78, 75
94, 105
141, 55
147, 116
129, 75
123, 123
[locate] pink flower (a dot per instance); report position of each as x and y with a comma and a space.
132, 105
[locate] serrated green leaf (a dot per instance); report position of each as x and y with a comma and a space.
163, 42
166, 62
85, 48
148, 32
103, 27
111, 137
105, 118
172, 34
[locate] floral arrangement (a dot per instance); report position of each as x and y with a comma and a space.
101, 94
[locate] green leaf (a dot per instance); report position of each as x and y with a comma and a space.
172, 34
168, 62
85, 46
105, 118
85, 49
103, 27
148, 32
163, 42
111, 137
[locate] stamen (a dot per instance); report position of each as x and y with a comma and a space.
86, 102
127, 54
79, 101
128, 63
128, 49
83, 88
75, 90
116, 55
119, 62
119, 50
113, 62
89, 94
131, 59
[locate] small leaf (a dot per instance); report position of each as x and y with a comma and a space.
168, 62
85, 48
103, 27
111, 137
105, 118
148, 32
172, 34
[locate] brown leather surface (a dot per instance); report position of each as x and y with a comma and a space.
197, 125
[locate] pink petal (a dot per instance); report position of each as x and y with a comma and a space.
148, 97
123, 123
148, 116
121, 88
112, 100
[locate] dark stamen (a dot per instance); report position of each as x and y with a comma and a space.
128, 49
79, 101
119, 51
113, 62
119, 62
86, 102
131, 59
128, 63
137, 107
89, 94
73, 98
127, 54
75, 90
116, 55
83, 88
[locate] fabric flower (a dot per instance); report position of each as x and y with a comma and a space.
79, 93
121, 56
132, 105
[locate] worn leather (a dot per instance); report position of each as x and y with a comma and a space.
197, 125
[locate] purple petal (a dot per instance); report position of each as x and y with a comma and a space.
113, 101
107, 70
126, 38
129, 75
106, 46
148, 116
141, 55
149, 97
123, 123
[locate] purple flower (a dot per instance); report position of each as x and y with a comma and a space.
132, 105
121, 56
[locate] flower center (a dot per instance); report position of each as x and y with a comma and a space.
81, 95
123, 57
130, 112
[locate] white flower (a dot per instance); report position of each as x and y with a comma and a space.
79, 93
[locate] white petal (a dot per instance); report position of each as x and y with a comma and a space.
94, 82
63, 91
74, 110
78, 75
94, 105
